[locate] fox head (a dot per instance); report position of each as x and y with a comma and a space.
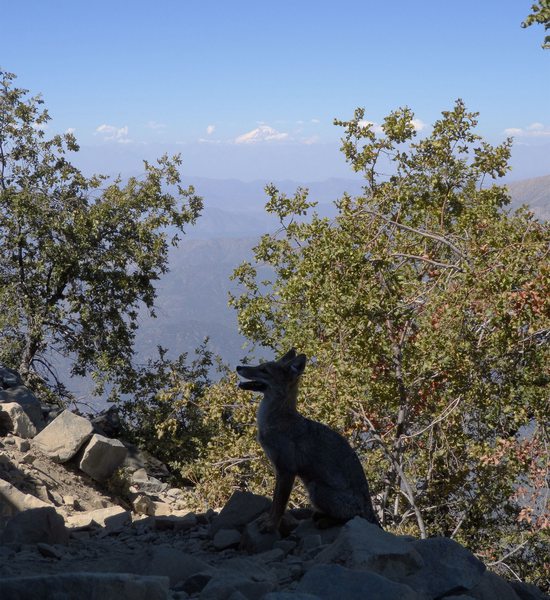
278, 375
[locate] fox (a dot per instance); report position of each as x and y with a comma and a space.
300, 447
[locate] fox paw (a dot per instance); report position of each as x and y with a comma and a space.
266, 524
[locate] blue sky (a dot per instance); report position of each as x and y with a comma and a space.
249, 89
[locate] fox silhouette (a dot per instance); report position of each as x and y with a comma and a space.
300, 447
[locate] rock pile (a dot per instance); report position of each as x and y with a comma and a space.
62, 535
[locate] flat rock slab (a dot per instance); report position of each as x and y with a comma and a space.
111, 518
86, 586
63, 437
102, 456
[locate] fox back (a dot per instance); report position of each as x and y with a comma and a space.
297, 446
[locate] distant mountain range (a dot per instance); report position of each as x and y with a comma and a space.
192, 297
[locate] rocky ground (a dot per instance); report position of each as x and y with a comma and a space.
65, 533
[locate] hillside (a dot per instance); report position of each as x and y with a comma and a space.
192, 297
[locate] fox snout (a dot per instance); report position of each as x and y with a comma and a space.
253, 384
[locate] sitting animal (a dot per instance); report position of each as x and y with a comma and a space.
297, 446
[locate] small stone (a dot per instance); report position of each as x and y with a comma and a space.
161, 508
49, 551
226, 538
70, 501
28, 458
23, 445
143, 505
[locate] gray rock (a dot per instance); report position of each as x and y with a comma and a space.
290, 596
34, 526
241, 508
101, 457
362, 545
254, 540
335, 581
225, 583
243, 575
492, 586
27, 400
112, 518
176, 522
448, 568
64, 436
226, 538
169, 562
9, 378
49, 551
195, 583
148, 485
85, 586
13, 501
526, 591
14, 418
308, 527
23, 445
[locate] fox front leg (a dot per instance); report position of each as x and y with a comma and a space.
283, 486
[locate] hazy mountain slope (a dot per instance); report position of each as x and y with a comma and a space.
534, 192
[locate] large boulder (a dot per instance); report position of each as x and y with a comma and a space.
14, 419
27, 400
362, 545
85, 586
242, 508
64, 436
449, 568
34, 526
101, 457
334, 581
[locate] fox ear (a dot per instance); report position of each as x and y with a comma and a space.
298, 364
288, 356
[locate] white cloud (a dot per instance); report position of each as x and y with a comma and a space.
155, 126
314, 139
534, 130
418, 124
315, 121
210, 129
114, 134
263, 133
363, 123
70, 130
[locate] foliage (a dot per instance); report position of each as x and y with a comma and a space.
540, 14
426, 306
78, 256
163, 413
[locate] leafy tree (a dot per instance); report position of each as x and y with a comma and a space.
427, 308
540, 14
78, 255
163, 414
